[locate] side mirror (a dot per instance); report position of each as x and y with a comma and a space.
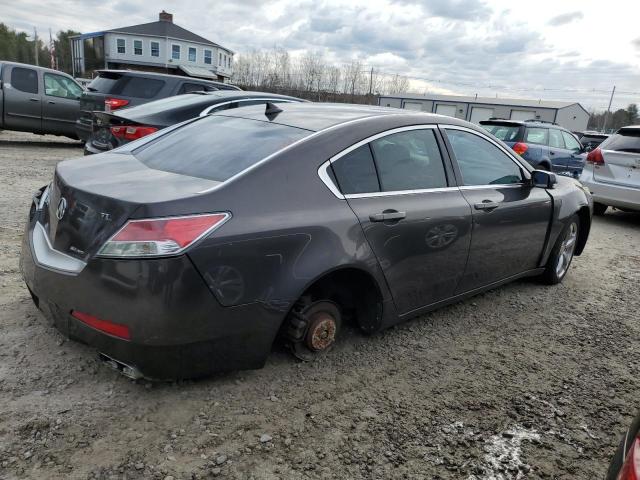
543, 179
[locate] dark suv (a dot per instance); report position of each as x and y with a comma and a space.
113, 89
546, 146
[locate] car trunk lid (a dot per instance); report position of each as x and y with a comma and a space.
621, 154
91, 199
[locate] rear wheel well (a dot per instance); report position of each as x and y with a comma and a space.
355, 291
585, 227
544, 165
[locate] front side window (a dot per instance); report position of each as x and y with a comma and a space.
59, 86
571, 143
538, 136
409, 160
207, 57
480, 161
356, 172
175, 52
155, 49
555, 139
137, 47
192, 54
121, 45
24, 79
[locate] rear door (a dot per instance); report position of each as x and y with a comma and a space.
23, 99
510, 217
558, 152
415, 220
61, 104
621, 154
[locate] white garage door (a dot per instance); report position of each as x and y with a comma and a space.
522, 115
480, 113
448, 110
413, 106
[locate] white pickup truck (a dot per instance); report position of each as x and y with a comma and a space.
39, 100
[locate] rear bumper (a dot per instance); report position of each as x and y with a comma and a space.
177, 327
608, 194
83, 130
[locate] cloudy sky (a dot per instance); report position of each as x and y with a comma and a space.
549, 49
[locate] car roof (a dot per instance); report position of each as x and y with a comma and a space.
28, 65
528, 123
320, 116
138, 73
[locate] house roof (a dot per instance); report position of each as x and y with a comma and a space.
514, 102
164, 28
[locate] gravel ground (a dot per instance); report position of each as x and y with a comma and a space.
525, 381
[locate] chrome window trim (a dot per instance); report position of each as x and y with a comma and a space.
401, 192
326, 179
46, 256
207, 110
509, 154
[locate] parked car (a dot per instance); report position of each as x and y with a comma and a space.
111, 130
185, 253
625, 464
113, 89
591, 139
612, 171
38, 100
546, 146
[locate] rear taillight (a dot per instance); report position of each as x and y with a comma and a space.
114, 103
631, 467
520, 148
106, 326
595, 157
132, 132
161, 236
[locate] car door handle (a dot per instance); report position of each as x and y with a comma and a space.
51, 103
387, 215
34, 99
552, 153
486, 205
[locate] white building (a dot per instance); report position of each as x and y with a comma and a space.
160, 46
570, 115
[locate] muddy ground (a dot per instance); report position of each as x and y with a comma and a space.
526, 381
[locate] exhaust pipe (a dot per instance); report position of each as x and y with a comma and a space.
128, 371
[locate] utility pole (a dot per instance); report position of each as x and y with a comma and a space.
606, 115
371, 81
35, 44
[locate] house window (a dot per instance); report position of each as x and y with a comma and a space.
228, 62
220, 59
137, 47
192, 54
121, 45
175, 52
207, 57
155, 49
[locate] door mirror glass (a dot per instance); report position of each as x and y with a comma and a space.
543, 179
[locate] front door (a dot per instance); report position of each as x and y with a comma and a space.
23, 100
61, 104
510, 217
416, 222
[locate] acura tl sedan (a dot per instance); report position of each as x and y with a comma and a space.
186, 253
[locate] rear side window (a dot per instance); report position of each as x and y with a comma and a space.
128, 86
24, 79
481, 162
625, 140
195, 87
217, 147
355, 172
506, 133
409, 161
539, 136
555, 138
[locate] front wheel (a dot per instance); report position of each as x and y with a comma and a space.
562, 253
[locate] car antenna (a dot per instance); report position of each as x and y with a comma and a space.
272, 111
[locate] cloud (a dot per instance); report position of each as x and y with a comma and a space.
452, 9
636, 43
565, 18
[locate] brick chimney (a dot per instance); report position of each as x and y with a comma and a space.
165, 17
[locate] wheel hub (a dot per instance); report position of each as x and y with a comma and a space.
322, 332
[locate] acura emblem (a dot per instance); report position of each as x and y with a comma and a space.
62, 207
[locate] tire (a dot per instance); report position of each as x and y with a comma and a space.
544, 166
562, 253
599, 208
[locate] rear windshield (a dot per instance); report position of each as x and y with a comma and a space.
217, 147
127, 86
506, 133
626, 140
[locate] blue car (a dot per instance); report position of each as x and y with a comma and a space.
546, 146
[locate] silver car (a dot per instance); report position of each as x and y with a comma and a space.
612, 171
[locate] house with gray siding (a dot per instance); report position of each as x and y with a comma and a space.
160, 46
570, 115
